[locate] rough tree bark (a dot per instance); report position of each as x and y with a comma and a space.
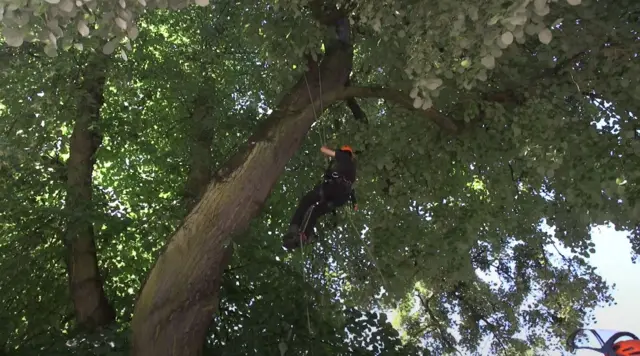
176, 305
201, 133
92, 309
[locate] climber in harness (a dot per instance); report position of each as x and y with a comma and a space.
335, 191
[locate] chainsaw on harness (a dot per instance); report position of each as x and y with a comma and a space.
605, 342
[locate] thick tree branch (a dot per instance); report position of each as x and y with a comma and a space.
92, 309
398, 97
446, 337
355, 109
516, 95
8, 53
461, 294
326, 12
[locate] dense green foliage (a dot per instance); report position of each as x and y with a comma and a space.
436, 206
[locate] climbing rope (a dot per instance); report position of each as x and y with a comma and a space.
304, 278
322, 132
309, 211
371, 256
302, 228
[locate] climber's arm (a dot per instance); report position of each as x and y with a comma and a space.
327, 151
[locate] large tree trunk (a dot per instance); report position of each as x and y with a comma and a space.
92, 309
176, 305
201, 133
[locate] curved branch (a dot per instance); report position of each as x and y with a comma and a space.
446, 336
477, 315
398, 97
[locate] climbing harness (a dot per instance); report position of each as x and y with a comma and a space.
332, 177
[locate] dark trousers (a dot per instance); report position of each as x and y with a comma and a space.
329, 195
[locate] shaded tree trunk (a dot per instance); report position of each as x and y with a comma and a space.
92, 309
177, 302
201, 133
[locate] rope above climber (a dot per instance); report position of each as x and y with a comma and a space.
335, 191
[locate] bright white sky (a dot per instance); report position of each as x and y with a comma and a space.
612, 261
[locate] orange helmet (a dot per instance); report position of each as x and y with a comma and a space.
627, 348
346, 148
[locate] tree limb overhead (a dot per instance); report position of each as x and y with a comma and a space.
401, 98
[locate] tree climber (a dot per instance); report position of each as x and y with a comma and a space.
333, 192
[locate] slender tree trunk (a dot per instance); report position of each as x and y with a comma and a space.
177, 302
92, 309
201, 133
